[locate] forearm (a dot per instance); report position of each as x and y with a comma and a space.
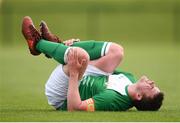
77, 64
73, 97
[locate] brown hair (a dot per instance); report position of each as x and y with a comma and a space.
148, 104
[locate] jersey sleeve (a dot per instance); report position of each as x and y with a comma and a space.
109, 100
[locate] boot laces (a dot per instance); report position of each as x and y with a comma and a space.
35, 33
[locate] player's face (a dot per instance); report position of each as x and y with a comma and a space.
147, 87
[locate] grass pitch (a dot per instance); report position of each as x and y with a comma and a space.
22, 80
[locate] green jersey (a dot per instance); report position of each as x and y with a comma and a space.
107, 95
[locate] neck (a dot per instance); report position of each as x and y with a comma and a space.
132, 91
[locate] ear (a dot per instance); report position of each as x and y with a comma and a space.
138, 96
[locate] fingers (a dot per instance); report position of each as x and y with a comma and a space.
70, 41
77, 62
73, 56
83, 62
68, 56
77, 57
75, 53
144, 78
150, 82
147, 80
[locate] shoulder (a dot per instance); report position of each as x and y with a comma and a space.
129, 75
111, 100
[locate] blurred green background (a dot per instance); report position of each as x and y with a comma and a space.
149, 31
129, 21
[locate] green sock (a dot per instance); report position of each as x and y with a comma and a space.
95, 49
57, 51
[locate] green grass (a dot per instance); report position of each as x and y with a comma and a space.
117, 20
147, 29
22, 79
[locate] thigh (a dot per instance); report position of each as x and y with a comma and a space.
56, 87
113, 57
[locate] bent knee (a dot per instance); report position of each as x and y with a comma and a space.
82, 54
116, 50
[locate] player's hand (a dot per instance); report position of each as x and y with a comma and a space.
70, 41
75, 64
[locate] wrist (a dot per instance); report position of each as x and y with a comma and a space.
73, 75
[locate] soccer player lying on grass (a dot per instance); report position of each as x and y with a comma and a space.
86, 78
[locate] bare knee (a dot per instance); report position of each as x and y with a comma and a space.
83, 57
116, 50
82, 54
111, 60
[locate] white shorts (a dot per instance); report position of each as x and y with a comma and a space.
57, 85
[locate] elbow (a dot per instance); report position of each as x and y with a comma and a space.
70, 109
76, 107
